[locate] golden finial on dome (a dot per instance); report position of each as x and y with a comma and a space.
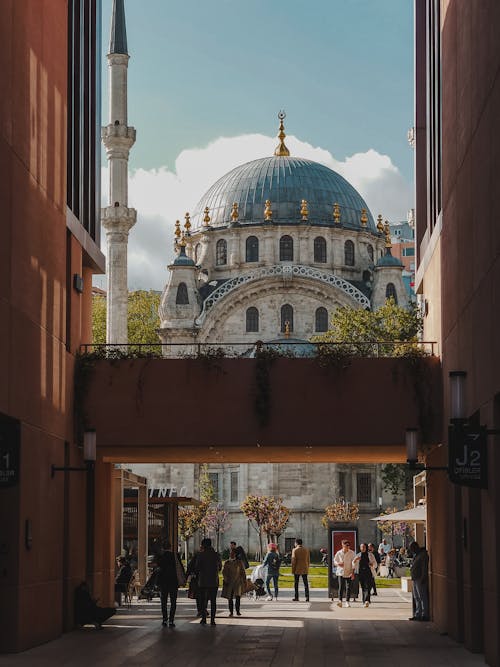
282, 150
182, 242
387, 232
177, 232
364, 217
336, 213
380, 224
287, 329
206, 217
235, 213
187, 224
268, 214
304, 211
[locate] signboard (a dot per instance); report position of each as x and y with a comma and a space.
337, 537
337, 533
10, 439
468, 463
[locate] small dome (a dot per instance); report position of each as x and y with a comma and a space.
285, 181
388, 259
182, 259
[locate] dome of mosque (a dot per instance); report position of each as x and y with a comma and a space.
285, 181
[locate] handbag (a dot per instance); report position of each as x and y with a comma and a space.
179, 569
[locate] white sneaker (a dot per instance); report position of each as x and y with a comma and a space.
269, 598
347, 604
367, 604
339, 603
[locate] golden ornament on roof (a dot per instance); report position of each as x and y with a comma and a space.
336, 213
177, 229
282, 150
268, 214
187, 224
387, 232
182, 242
206, 217
234, 213
287, 329
380, 224
304, 211
364, 217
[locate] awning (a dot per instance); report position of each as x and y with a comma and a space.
415, 515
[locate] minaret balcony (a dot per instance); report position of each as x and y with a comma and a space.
118, 137
118, 218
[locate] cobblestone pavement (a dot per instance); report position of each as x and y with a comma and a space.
277, 633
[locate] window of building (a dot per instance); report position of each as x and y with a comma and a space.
197, 252
408, 252
320, 250
289, 544
286, 249
349, 253
234, 484
221, 252
214, 478
363, 487
390, 291
286, 318
369, 247
252, 249
342, 485
321, 320
182, 295
366, 276
252, 319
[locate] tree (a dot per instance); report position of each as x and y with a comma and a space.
396, 478
256, 509
217, 521
277, 519
358, 329
191, 519
392, 528
143, 317
340, 510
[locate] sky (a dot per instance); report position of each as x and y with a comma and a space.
207, 79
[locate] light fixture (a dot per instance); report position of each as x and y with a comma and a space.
457, 395
411, 441
89, 455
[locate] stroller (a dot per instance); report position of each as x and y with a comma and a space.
150, 589
257, 579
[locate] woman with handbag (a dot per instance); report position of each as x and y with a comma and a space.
194, 592
171, 575
233, 582
365, 564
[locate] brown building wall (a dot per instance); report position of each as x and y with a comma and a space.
37, 340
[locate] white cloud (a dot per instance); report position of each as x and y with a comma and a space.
162, 196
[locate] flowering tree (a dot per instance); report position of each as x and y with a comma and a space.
392, 528
256, 509
340, 510
217, 521
277, 519
191, 519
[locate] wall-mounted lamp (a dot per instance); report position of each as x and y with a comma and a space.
411, 440
89, 455
457, 395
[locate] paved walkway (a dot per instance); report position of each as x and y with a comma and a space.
281, 633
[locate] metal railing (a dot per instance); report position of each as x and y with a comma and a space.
285, 348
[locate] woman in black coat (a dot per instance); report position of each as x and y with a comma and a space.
170, 567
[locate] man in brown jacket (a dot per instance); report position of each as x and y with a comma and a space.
300, 568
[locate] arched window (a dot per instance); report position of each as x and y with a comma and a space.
286, 316
321, 323
252, 323
390, 291
221, 252
197, 252
349, 253
182, 294
370, 252
286, 248
366, 276
252, 249
319, 250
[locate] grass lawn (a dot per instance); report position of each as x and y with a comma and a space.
318, 578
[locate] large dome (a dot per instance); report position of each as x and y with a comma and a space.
285, 181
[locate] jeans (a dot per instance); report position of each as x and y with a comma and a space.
173, 604
420, 600
209, 594
237, 599
306, 585
366, 581
345, 588
274, 578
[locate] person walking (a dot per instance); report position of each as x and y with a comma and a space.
233, 582
194, 588
365, 564
419, 570
343, 560
170, 571
272, 563
240, 554
207, 567
376, 555
300, 568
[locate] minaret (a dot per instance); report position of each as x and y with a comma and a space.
117, 219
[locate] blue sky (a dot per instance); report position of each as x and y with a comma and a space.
342, 70
207, 79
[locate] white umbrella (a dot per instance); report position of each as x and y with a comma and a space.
415, 515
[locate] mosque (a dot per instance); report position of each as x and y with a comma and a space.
271, 250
